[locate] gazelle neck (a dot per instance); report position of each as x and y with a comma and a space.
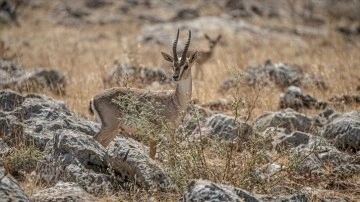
183, 92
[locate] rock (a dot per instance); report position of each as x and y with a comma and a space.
221, 105
225, 127
349, 30
281, 74
159, 33
345, 99
4, 148
96, 3
203, 190
71, 154
294, 98
75, 14
344, 131
325, 117
310, 153
185, 14
12, 76
287, 118
134, 164
8, 12
35, 118
228, 84
10, 189
63, 191
296, 197
123, 74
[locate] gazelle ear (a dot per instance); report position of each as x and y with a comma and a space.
193, 57
167, 57
207, 37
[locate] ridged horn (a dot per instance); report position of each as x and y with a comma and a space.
183, 57
174, 47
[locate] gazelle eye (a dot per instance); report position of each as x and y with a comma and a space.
186, 67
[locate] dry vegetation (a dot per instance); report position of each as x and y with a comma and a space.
85, 53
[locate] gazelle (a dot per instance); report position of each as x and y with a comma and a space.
112, 106
204, 56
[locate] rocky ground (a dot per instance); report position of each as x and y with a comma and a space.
274, 117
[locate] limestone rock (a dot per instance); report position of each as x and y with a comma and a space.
203, 190
63, 191
12, 76
344, 131
294, 98
287, 118
10, 189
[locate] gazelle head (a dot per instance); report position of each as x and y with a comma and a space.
212, 42
181, 66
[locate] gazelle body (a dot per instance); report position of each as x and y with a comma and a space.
160, 106
204, 56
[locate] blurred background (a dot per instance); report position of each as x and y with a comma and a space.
90, 41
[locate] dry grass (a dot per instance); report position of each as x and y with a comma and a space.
87, 52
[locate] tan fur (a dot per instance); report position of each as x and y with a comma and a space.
169, 105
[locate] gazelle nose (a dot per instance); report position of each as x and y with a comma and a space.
175, 77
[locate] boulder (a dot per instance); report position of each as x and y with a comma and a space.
159, 33
287, 118
12, 76
204, 190
124, 74
35, 118
344, 131
310, 153
63, 191
225, 127
294, 98
125, 156
325, 117
10, 189
71, 154
281, 74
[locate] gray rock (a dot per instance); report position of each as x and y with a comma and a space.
325, 117
296, 197
344, 131
125, 156
227, 128
294, 98
4, 148
63, 191
71, 154
123, 74
159, 33
309, 153
35, 118
219, 105
287, 118
10, 189
203, 190
8, 12
281, 74
96, 3
12, 76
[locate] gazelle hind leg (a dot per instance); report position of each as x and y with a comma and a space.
106, 135
152, 148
